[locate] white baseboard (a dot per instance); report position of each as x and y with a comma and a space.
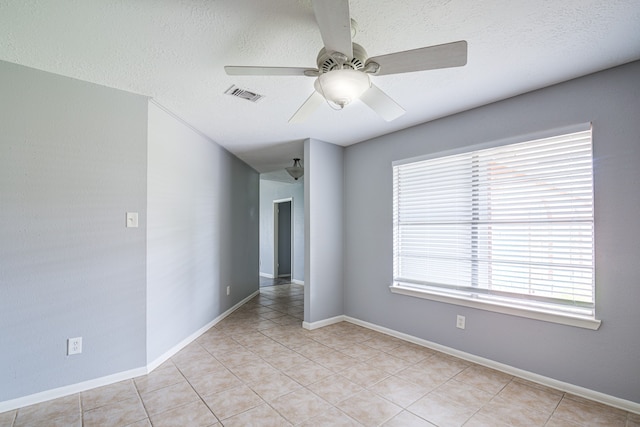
326, 322
55, 393
596, 396
188, 340
297, 282
125, 375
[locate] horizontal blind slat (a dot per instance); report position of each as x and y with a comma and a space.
516, 219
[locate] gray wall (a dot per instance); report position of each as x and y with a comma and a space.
202, 231
323, 187
276, 190
605, 360
73, 160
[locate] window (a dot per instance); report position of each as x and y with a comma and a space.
509, 226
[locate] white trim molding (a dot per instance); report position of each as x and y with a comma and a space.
121, 376
56, 393
321, 323
188, 340
596, 396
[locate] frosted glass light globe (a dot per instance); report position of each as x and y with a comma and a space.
342, 86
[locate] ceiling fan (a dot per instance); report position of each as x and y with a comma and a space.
344, 70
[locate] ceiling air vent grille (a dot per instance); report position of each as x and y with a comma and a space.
243, 93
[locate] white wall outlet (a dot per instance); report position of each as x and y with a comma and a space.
74, 346
228, 290
460, 321
132, 219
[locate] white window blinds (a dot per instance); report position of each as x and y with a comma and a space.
511, 224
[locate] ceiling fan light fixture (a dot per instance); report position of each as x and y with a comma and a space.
296, 171
342, 86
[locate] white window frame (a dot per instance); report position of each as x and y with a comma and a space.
522, 307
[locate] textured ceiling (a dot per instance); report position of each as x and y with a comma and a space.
174, 51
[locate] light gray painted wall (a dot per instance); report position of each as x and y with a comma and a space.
72, 162
202, 231
276, 190
323, 187
605, 360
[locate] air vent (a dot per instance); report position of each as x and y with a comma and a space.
326, 61
330, 64
243, 93
356, 63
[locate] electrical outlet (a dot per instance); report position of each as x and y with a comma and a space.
228, 290
460, 321
74, 346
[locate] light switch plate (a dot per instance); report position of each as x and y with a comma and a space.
132, 219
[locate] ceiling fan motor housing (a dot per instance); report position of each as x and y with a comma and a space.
344, 69
329, 61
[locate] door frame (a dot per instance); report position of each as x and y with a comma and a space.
275, 235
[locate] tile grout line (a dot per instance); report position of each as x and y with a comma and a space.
141, 402
327, 349
81, 409
196, 392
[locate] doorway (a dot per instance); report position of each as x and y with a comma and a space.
282, 238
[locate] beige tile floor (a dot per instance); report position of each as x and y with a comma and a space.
258, 367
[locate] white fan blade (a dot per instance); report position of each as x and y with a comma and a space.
335, 25
426, 58
310, 105
381, 103
268, 71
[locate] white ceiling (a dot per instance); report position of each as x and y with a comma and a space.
174, 51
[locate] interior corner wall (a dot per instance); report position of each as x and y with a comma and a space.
605, 360
275, 190
72, 162
203, 235
323, 207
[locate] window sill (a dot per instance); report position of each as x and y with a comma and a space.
530, 313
